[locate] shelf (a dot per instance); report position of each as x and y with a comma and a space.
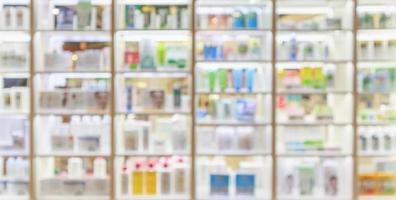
149, 154
169, 112
75, 2
234, 31
73, 154
314, 154
61, 113
234, 3
233, 61
316, 31
11, 153
73, 197
313, 91
15, 2
155, 2
164, 197
376, 154
147, 74
311, 62
13, 197
376, 124
234, 153
377, 197
313, 124
314, 198
232, 123
233, 93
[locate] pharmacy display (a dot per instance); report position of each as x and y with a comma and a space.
225, 99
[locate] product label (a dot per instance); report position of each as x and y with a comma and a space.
137, 183
151, 183
245, 184
219, 184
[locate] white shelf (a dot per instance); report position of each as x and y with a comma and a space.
146, 74
73, 197
75, 2
153, 112
73, 154
318, 123
164, 197
314, 154
313, 91
13, 197
233, 153
152, 154
230, 123
314, 198
377, 197
15, 2
377, 154
155, 2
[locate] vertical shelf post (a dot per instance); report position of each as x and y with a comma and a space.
273, 110
193, 104
355, 195
112, 107
32, 180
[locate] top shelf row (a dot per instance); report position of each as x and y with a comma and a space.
95, 15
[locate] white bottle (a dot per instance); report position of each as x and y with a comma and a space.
181, 176
75, 168
75, 125
10, 167
100, 168
164, 183
1, 167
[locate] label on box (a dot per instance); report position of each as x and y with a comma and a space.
245, 184
219, 184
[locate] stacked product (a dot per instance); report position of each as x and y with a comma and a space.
14, 177
76, 178
14, 17
146, 55
156, 135
217, 18
156, 17
159, 177
314, 78
229, 48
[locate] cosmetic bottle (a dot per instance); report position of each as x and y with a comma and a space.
100, 166
1, 167
252, 20
179, 133
177, 96
238, 76
245, 183
75, 168
151, 179
331, 178
225, 138
181, 176
138, 179
293, 48
164, 178
11, 168
245, 138
125, 181
136, 134
220, 180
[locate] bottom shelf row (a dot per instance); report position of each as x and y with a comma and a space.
219, 177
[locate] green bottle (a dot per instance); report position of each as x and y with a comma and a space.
161, 54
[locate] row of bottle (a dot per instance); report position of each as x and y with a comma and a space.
230, 109
14, 99
14, 17
311, 23
84, 16
156, 17
313, 178
377, 20
156, 135
231, 18
163, 55
230, 139
61, 95
156, 177
293, 50
377, 140
218, 179
376, 49
305, 78
231, 80
137, 98
377, 79
13, 56
14, 175
85, 60
297, 107
78, 134
75, 178
14, 134
377, 178
230, 48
